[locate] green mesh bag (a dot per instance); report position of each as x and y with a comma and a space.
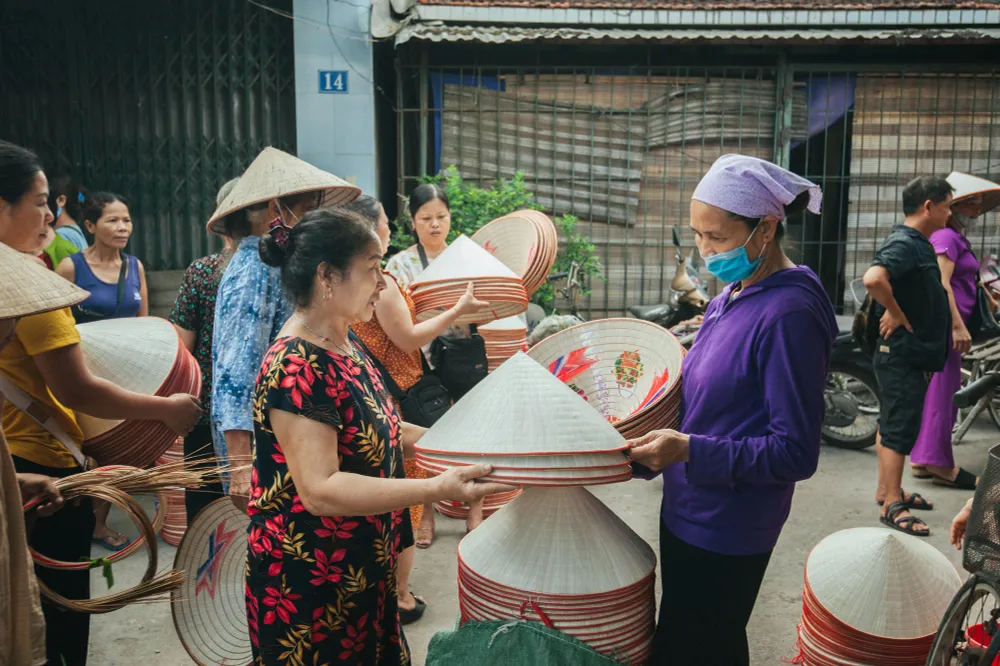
506, 642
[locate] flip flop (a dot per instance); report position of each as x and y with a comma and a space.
113, 547
905, 524
411, 615
964, 480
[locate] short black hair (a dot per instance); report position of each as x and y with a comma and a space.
18, 169
93, 204
925, 188
424, 194
331, 236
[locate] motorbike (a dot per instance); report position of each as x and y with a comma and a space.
688, 294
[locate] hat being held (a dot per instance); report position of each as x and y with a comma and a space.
31, 288
275, 174
967, 186
754, 188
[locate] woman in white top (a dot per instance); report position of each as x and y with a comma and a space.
430, 215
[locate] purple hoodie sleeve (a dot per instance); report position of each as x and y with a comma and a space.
793, 356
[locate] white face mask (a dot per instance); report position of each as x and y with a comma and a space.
967, 223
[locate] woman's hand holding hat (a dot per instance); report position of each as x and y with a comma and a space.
460, 484
659, 449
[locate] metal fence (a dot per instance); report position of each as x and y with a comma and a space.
159, 101
623, 150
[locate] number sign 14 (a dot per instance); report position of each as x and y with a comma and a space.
332, 82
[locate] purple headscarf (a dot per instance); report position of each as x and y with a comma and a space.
753, 187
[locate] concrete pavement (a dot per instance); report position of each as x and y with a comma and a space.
841, 495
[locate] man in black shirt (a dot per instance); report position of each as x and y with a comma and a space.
914, 320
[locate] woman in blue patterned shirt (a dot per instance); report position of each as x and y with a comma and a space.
251, 307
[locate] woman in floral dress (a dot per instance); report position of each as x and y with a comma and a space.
327, 488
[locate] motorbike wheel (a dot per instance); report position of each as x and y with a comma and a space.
848, 381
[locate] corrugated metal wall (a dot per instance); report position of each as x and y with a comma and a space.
159, 101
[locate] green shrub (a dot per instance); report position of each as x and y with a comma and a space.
473, 207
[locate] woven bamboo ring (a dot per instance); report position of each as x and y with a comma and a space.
117, 600
157, 524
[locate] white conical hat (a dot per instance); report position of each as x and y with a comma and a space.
558, 541
882, 582
462, 260
521, 409
30, 288
275, 174
515, 323
966, 185
137, 354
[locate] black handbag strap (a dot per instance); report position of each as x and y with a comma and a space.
390, 383
423, 255
122, 272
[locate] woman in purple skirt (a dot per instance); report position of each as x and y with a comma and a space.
932, 456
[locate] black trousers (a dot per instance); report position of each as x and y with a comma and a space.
197, 446
707, 601
65, 535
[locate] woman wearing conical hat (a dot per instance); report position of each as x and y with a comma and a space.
28, 289
752, 405
276, 190
42, 367
932, 456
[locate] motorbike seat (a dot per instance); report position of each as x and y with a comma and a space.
650, 312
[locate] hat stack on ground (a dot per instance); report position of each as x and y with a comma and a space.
560, 557
530, 428
176, 518
209, 609
503, 339
629, 370
526, 242
441, 285
875, 597
143, 355
460, 510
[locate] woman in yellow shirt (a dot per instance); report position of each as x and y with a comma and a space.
44, 361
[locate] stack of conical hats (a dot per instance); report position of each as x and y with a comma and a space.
441, 285
873, 596
143, 355
629, 370
561, 557
176, 511
531, 428
491, 504
526, 242
503, 339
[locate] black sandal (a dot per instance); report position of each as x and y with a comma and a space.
964, 480
411, 615
915, 502
905, 524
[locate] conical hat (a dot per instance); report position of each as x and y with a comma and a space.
464, 259
558, 541
882, 582
967, 186
521, 409
30, 288
136, 354
275, 174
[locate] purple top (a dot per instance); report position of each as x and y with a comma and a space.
752, 400
956, 247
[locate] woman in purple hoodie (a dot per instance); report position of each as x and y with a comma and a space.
752, 411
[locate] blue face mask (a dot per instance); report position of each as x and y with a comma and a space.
734, 265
